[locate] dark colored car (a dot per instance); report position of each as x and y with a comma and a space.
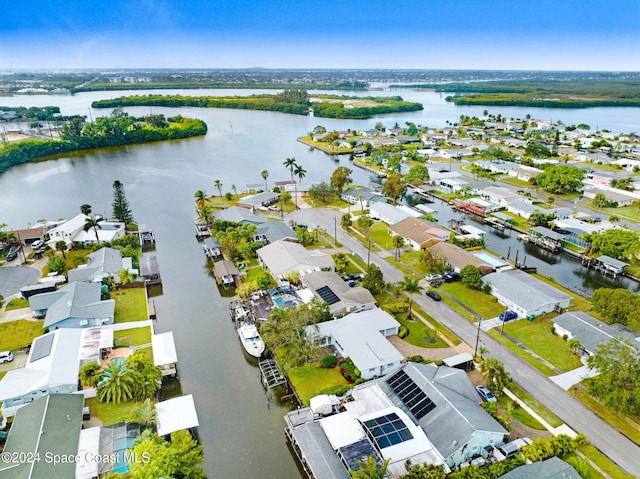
451, 277
433, 295
508, 316
38, 254
12, 255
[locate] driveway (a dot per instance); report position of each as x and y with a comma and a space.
568, 379
12, 278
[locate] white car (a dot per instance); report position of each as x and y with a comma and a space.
6, 357
37, 244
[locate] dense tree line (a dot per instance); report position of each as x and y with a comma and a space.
289, 101
34, 113
105, 131
526, 99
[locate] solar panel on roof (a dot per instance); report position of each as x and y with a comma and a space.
387, 430
327, 294
410, 394
41, 347
358, 451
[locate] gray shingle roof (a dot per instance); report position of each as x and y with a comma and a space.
276, 230
552, 468
239, 215
104, 260
318, 453
592, 333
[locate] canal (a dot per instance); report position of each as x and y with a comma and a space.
240, 428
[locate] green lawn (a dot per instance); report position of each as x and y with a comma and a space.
580, 303
418, 332
402, 267
623, 212
310, 379
520, 414
480, 302
412, 258
69, 261
510, 180
525, 356
17, 303
135, 336
380, 234
18, 334
542, 411
131, 305
455, 340
603, 462
536, 335
111, 413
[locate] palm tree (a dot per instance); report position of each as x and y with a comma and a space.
93, 222
290, 164
62, 247
360, 198
410, 285
218, 185
85, 209
200, 196
369, 469
494, 373
398, 242
265, 175
205, 213
300, 172
146, 414
125, 276
117, 383
235, 189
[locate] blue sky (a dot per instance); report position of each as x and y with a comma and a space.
439, 34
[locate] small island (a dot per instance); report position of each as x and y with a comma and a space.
294, 101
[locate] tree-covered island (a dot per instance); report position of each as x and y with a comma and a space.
116, 130
294, 101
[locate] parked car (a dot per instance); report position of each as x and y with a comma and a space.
451, 276
485, 394
37, 244
40, 253
433, 277
433, 295
512, 448
6, 356
12, 255
508, 315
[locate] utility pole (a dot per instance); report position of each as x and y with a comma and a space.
335, 231
368, 252
478, 336
504, 320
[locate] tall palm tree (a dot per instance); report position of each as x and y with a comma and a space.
93, 222
235, 189
146, 414
300, 172
205, 213
369, 469
398, 242
117, 383
265, 175
218, 185
200, 196
125, 276
85, 209
410, 285
360, 198
290, 164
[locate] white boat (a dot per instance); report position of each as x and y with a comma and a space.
251, 339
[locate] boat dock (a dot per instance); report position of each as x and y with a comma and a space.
226, 273
544, 238
370, 169
202, 229
271, 374
147, 237
212, 248
605, 264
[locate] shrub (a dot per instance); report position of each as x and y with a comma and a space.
403, 332
396, 308
329, 361
338, 390
416, 359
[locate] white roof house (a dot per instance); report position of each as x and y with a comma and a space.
362, 337
176, 414
164, 352
52, 367
72, 231
387, 213
525, 294
284, 257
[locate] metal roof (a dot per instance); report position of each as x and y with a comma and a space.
547, 233
176, 414
612, 261
149, 265
590, 332
525, 290
317, 452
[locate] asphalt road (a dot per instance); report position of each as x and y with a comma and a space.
12, 278
607, 439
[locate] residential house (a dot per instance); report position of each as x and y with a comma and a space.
76, 305
524, 173
457, 258
591, 332
418, 412
72, 232
552, 468
238, 214
526, 294
387, 213
52, 365
331, 288
621, 197
101, 264
418, 234
499, 195
272, 231
284, 257
352, 195
502, 167
522, 207
260, 200
361, 336
49, 427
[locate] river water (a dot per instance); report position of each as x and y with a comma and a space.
240, 428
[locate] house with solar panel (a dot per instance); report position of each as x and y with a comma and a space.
333, 290
361, 336
52, 366
419, 412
